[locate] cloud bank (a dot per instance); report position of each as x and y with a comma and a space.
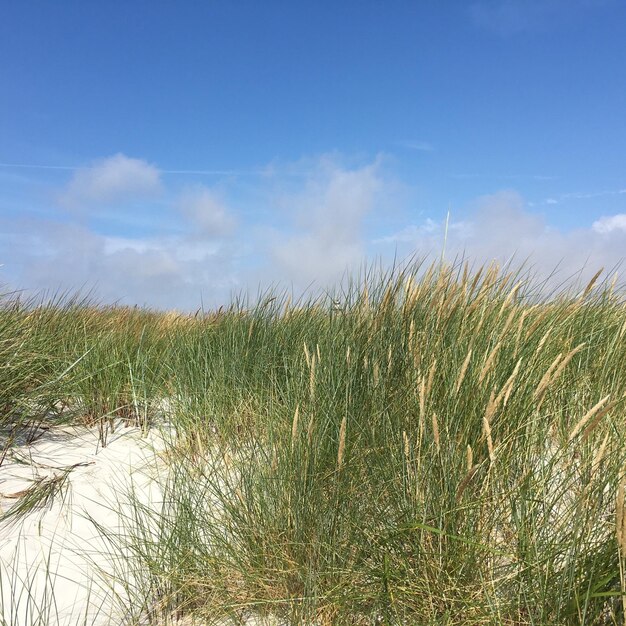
325, 237
109, 180
189, 247
499, 227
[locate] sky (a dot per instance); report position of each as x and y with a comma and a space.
178, 154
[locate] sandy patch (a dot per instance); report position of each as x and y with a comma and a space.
55, 567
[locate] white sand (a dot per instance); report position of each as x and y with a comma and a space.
55, 568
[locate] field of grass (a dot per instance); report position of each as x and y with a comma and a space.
427, 446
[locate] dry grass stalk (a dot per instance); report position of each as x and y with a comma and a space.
508, 386
620, 520
489, 413
407, 447
319, 355
492, 406
365, 298
250, 329
476, 279
465, 482
537, 322
588, 415
411, 292
312, 377
309, 432
508, 322
294, 426
428, 275
613, 283
491, 276
425, 387
620, 532
387, 298
286, 308
563, 364
422, 404
597, 459
504, 282
307, 355
449, 304
510, 297
543, 340
469, 457
509, 389
520, 326
489, 362
342, 442
465, 275
622, 330
545, 379
466, 362
413, 346
591, 283
476, 329
596, 420
348, 355
436, 432
431, 376
376, 374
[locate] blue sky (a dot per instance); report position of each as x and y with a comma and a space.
169, 153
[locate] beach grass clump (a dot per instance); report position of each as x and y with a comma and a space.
436, 445
66, 359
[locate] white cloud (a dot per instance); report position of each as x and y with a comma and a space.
499, 227
610, 224
115, 178
316, 225
207, 213
164, 272
326, 234
428, 230
184, 248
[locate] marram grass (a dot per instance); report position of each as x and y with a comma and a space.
423, 447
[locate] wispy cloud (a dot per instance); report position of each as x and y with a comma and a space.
182, 171
207, 212
584, 195
308, 223
610, 224
112, 179
174, 271
317, 232
324, 237
429, 231
35, 166
501, 228
503, 177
